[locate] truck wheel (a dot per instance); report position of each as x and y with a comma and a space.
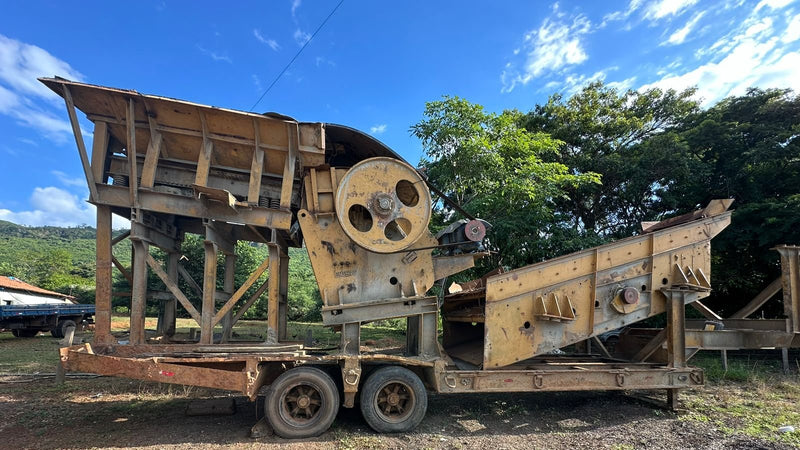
393, 400
24, 333
302, 402
63, 325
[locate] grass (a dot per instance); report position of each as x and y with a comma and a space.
753, 397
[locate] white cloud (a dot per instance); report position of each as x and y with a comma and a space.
68, 180
214, 55
272, 43
21, 64
295, 5
22, 97
766, 67
301, 37
321, 60
54, 206
623, 85
633, 6
748, 56
556, 44
378, 129
792, 30
773, 4
680, 35
663, 8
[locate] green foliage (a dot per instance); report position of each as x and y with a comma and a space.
627, 138
495, 170
747, 148
63, 260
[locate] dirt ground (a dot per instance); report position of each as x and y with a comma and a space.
108, 412
740, 408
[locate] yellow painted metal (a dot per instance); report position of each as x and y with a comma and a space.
517, 328
383, 205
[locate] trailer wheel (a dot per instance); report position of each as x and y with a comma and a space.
393, 400
302, 402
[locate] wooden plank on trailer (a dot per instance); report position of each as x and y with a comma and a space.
173, 288
76, 130
256, 168
99, 150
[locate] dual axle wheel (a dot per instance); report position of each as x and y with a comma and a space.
303, 402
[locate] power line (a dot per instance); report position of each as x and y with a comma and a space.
296, 55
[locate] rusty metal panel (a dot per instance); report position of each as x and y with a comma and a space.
579, 377
594, 283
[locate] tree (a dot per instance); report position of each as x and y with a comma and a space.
495, 170
627, 138
748, 148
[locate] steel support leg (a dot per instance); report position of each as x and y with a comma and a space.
103, 280
138, 291
209, 291
227, 319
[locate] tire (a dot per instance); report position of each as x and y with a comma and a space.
63, 325
24, 333
302, 402
393, 400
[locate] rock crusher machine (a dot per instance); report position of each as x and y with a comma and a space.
362, 213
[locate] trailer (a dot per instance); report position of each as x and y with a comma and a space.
362, 213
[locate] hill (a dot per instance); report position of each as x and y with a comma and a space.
63, 259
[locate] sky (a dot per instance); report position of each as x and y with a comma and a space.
372, 66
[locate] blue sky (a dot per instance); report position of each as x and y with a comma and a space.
373, 66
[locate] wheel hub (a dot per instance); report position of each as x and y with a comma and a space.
393, 399
303, 401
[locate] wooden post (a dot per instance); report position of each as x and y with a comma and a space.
103, 281
230, 271
724, 355
139, 290
209, 290
61, 374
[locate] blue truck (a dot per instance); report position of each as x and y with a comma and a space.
27, 321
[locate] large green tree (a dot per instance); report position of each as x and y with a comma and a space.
495, 170
747, 148
626, 137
